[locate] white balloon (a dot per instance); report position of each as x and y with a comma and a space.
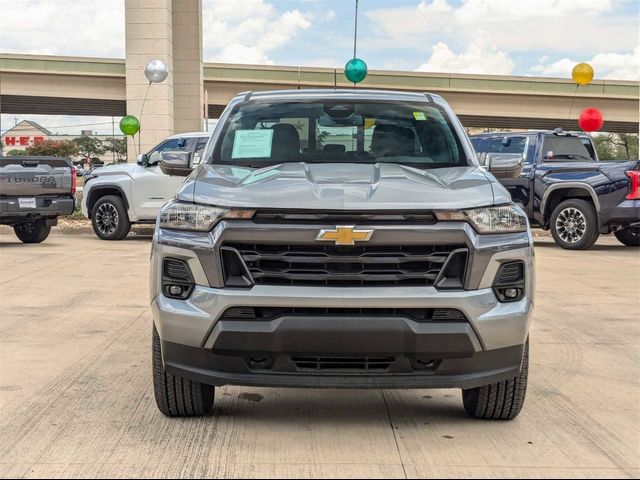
156, 71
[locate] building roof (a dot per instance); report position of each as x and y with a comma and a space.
32, 124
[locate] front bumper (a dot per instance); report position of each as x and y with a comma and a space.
486, 347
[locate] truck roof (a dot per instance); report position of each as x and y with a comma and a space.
340, 93
188, 135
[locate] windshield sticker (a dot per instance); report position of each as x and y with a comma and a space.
421, 116
252, 144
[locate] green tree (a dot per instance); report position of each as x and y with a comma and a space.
613, 146
117, 146
53, 148
89, 147
16, 153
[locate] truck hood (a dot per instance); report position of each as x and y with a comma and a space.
340, 186
117, 169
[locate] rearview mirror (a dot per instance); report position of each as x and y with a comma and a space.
175, 162
505, 165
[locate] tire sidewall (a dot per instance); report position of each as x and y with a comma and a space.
626, 238
123, 225
591, 219
39, 232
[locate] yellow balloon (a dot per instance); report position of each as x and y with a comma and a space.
582, 74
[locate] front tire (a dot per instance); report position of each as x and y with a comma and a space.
502, 400
109, 218
630, 236
574, 224
177, 396
32, 232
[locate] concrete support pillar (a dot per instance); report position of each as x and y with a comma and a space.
187, 66
164, 29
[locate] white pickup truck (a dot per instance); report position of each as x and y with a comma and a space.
116, 196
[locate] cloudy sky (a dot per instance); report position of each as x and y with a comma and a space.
518, 37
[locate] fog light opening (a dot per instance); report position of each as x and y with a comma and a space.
511, 293
175, 290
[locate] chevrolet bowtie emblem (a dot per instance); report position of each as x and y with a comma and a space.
345, 235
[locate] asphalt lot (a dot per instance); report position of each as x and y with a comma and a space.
76, 398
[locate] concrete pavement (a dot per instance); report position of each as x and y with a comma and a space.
76, 398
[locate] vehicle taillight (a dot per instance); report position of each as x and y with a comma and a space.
74, 180
634, 192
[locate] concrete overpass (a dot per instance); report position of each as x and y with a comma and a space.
32, 84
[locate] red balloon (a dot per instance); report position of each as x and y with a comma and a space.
591, 120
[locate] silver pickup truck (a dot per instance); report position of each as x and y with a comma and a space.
341, 239
34, 191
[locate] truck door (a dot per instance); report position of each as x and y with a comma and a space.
150, 187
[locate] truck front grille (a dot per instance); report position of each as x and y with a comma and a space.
370, 265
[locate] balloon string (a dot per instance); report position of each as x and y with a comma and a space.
144, 100
573, 99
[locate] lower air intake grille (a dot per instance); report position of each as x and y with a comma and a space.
370, 265
415, 314
510, 274
177, 270
377, 364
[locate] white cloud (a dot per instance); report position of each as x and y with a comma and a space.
479, 57
245, 31
513, 25
615, 66
238, 31
237, 53
328, 16
63, 27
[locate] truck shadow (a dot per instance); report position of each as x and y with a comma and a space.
350, 408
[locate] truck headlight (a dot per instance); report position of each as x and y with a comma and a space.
200, 218
501, 219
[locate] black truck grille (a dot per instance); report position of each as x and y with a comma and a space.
378, 364
271, 313
371, 265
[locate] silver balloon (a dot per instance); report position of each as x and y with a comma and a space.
156, 71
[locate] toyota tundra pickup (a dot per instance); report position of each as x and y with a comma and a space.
34, 191
566, 189
341, 239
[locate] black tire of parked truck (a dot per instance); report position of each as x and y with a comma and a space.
109, 218
177, 396
574, 224
32, 232
502, 400
629, 236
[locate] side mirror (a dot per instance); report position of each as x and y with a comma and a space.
175, 162
142, 159
505, 165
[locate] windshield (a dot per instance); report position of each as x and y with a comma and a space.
259, 134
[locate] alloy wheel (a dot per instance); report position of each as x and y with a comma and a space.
571, 225
107, 218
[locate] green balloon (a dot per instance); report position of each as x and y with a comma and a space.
129, 125
355, 70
